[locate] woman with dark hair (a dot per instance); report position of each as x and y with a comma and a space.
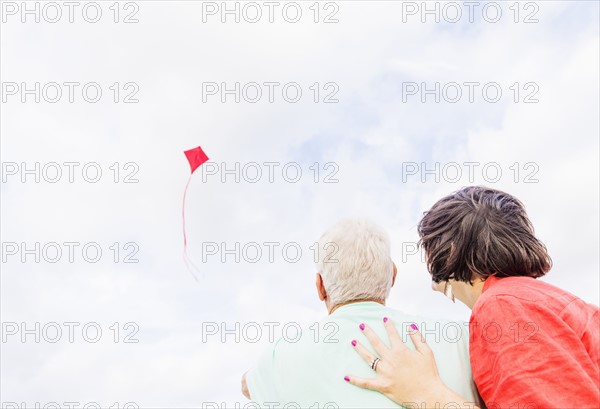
532, 345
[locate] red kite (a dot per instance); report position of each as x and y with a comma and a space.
195, 157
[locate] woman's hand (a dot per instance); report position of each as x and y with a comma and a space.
409, 378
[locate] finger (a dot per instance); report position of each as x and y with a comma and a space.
418, 339
374, 340
370, 383
395, 340
363, 352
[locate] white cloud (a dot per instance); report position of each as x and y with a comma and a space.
369, 134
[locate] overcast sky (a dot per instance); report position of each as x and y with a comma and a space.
385, 154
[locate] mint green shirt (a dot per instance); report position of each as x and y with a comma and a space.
308, 371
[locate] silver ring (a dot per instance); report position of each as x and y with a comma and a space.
374, 364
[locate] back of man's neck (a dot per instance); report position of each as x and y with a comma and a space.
335, 307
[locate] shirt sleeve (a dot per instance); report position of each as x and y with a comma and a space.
526, 356
260, 379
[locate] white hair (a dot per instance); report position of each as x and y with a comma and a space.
355, 262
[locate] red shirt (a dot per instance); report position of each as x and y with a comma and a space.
534, 346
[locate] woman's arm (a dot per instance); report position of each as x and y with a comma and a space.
409, 378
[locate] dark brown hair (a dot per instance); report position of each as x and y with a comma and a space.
482, 231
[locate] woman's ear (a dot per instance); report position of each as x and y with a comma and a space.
395, 272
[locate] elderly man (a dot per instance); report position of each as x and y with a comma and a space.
355, 275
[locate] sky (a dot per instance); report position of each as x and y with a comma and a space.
359, 108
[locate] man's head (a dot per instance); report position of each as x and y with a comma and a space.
478, 232
354, 263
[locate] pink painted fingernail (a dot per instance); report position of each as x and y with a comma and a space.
385, 319
414, 326
347, 378
362, 327
354, 343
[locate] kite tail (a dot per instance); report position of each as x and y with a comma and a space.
189, 264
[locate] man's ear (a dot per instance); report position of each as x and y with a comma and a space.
321, 288
395, 272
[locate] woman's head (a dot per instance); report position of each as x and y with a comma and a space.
479, 232
354, 262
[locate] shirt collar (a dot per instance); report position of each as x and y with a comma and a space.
489, 282
362, 305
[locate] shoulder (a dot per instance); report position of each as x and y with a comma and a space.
522, 293
519, 312
527, 287
297, 339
